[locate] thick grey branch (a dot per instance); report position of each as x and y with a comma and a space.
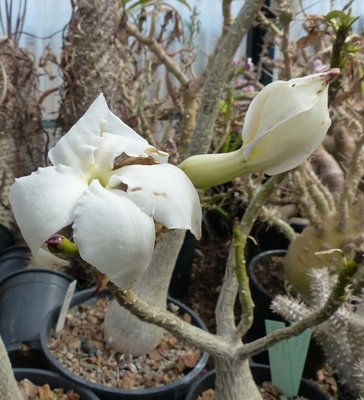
214, 84
8, 387
224, 312
206, 341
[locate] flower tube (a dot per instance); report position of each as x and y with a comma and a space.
285, 123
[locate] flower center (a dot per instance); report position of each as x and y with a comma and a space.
100, 173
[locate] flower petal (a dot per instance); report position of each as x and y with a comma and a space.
164, 192
43, 203
117, 127
76, 148
112, 146
289, 144
281, 100
113, 235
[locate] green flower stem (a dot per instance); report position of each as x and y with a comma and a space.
335, 300
208, 170
241, 235
245, 297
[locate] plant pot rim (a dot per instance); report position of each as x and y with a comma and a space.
20, 321
28, 373
30, 270
108, 390
257, 366
14, 247
254, 261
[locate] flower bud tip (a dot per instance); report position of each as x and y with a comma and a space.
331, 74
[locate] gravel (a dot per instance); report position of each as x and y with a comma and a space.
80, 348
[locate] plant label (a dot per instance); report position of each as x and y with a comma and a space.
287, 359
65, 306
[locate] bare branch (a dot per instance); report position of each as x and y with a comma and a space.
180, 329
8, 386
159, 52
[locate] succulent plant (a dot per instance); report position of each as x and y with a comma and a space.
341, 336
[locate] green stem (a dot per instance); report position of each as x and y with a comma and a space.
245, 297
208, 170
246, 225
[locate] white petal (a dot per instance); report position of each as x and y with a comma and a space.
118, 127
288, 145
280, 101
134, 141
112, 146
43, 203
164, 192
77, 147
113, 235
44, 258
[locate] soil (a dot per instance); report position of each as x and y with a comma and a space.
30, 391
204, 287
207, 276
80, 347
267, 390
275, 282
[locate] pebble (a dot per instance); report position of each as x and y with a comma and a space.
81, 348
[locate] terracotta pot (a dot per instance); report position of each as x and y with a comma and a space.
262, 300
173, 391
261, 373
41, 377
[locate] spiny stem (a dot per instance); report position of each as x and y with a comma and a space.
353, 176
314, 189
279, 223
321, 188
307, 203
335, 300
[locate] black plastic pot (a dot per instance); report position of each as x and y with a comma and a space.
26, 297
261, 373
173, 391
181, 276
13, 259
344, 393
262, 300
41, 377
6, 238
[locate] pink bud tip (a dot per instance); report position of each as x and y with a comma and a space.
55, 241
331, 74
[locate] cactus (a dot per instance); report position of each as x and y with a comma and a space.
22, 138
336, 221
341, 336
94, 60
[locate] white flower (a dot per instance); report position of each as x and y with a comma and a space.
111, 186
285, 123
